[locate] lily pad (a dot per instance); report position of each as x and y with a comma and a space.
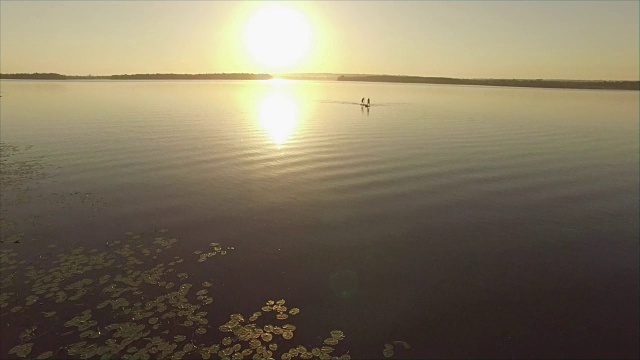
21, 350
45, 355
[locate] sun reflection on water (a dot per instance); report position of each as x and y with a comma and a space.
279, 115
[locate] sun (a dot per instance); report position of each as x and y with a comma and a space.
278, 37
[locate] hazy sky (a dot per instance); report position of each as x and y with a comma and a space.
476, 39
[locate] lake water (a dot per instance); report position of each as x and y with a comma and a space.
465, 221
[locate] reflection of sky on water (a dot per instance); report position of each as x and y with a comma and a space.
278, 114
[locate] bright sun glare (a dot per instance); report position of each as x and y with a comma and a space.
278, 37
278, 115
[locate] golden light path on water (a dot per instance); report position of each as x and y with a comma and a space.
279, 115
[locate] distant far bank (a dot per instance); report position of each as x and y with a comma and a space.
223, 76
537, 83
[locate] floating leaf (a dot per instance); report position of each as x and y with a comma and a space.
326, 349
45, 355
179, 338
331, 341
30, 300
246, 352
224, 328
404, 344
21, 350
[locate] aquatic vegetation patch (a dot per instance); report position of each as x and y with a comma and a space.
390, 349
77, 198
18, 167
20, 173
21, 350
215, 249
5, 225
128, 298
131, 307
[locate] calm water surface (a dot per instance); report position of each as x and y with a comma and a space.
466, 221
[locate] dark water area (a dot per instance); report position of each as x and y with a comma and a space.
463, 221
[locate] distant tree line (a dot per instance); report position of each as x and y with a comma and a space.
538, 83
223, 76
231, 76
40, 76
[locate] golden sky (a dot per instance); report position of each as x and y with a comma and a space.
475, 39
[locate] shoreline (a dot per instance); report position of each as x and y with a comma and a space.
520, 83
627, 85
55, 76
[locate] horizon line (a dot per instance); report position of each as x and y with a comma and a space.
326, 74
